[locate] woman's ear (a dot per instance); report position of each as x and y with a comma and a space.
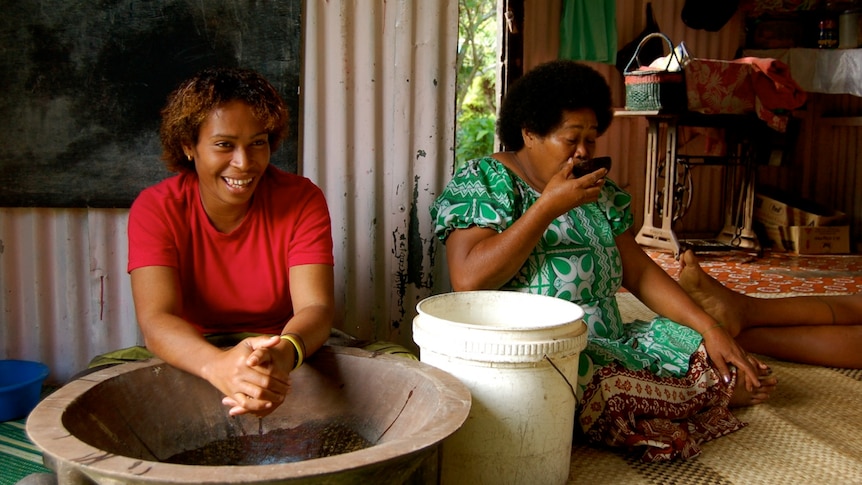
528, 137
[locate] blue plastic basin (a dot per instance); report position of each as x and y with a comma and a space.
20, 387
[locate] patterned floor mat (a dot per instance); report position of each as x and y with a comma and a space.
776, 272
810, 431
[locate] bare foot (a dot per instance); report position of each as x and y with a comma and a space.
743, 397
720, 302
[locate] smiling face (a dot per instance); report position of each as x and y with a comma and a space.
574, 137
231, 155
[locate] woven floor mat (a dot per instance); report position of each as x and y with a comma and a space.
18, 456
810, 431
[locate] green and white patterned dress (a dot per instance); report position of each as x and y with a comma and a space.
576, 260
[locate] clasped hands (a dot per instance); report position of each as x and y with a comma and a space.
254, 375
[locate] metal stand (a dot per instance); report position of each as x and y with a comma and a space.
664, 199
661, 237
738, 231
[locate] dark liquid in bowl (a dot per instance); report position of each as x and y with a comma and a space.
307, 441
589, 166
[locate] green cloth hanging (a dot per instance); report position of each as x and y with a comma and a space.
588, 31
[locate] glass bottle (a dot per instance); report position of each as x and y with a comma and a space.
828, 38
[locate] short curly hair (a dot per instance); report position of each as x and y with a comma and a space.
191, 103
536, 101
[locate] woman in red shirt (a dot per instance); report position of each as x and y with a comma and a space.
231, 250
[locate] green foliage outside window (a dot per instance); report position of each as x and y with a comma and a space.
477, 74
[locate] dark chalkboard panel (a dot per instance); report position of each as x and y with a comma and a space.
82, 83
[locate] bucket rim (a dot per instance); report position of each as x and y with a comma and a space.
577, 316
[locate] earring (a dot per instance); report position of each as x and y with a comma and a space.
189, 157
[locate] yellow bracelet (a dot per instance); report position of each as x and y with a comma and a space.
298, 344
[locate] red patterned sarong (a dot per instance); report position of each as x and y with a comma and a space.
667, 417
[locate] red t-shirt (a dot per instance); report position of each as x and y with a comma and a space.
235, 282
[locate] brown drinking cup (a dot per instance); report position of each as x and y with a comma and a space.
584, 167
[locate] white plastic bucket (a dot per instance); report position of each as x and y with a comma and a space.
518, 354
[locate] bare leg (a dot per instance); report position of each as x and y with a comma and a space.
725, 305
738, 311
827, 345
823, 330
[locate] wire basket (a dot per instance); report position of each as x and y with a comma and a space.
655, 89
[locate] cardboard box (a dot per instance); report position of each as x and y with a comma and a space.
807, 239
784, 210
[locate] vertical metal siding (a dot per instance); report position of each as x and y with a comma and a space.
382, 99
378, 137
831, 175
65, 291
836, 177
826, 157
542, 20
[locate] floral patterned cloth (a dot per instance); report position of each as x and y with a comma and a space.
748, 85
640, 383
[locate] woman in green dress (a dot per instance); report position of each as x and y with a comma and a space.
521, 220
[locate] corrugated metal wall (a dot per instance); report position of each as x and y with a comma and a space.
832, 173
827, 157
379, 90
65, 291
377, 136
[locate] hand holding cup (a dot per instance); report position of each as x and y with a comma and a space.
583, 167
